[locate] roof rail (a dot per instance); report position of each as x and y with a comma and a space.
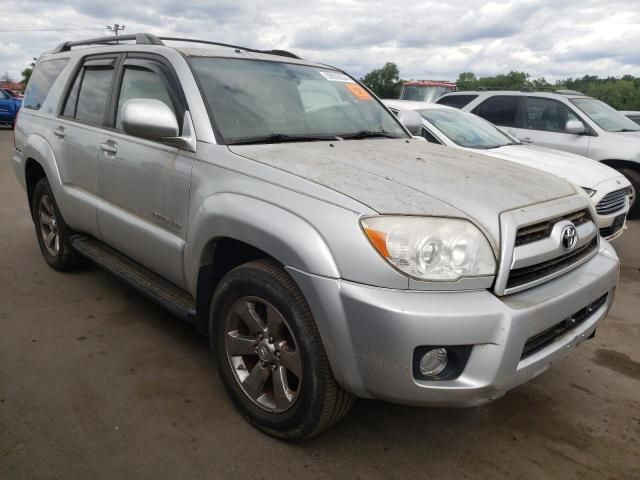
282, 53
149, 39
140, 39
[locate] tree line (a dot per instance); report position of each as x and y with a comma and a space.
622, 93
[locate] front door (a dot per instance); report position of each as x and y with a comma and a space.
145, 184
544, 124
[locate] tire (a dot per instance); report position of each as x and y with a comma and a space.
271, 304
634, 177
58, 253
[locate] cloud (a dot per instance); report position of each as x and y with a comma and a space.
425, 38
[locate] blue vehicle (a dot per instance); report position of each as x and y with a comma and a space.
9, 107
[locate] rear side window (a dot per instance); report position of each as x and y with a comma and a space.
42, 79
87, 100
499, 110
456, 101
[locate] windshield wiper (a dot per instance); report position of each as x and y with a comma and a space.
624, 130
367, 134
281, 138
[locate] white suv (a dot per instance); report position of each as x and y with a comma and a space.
565, 120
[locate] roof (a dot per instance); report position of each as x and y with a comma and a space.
519, 93
429, 83
413, 105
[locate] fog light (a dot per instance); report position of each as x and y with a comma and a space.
433, 362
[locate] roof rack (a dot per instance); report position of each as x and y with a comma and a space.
149, 39
140, 38
529, 89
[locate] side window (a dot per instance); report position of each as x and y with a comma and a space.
500, 110
93, 94
138, 82
456, 101
72, 99
547, 115
3, 95
429, 136
41, 81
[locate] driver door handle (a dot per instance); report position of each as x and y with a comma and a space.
109, 147
526, 140
59, 132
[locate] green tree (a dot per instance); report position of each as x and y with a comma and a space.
26, 73
384, 82
467, 81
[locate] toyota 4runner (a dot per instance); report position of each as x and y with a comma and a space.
278, 206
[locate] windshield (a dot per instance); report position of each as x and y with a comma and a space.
423, 94
606, 117
254, 101
465, 129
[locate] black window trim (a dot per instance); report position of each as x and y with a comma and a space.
93, 61
474, 96
588, 130
159, 65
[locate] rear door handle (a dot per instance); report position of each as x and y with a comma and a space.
109, 147
59, 132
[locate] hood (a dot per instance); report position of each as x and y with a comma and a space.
579, 170
414, 177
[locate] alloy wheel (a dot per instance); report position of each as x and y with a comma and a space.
49, 225
263, 354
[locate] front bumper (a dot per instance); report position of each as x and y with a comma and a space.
370, 333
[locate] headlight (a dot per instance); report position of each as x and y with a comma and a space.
431, 248
590, 191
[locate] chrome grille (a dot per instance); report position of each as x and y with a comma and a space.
525, 275
613, 202
538, 231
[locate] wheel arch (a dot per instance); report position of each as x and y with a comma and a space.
230, 229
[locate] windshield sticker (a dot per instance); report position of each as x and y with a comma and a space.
336, 77
359, 92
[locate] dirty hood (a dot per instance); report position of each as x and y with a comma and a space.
415, 177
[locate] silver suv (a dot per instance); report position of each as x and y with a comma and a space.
277, 205
569, 121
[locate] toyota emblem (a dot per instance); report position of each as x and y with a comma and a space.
569, 237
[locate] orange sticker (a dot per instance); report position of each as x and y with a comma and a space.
359, 92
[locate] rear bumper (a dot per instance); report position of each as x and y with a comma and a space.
370, 333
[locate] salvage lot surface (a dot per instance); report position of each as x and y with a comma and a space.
98, 382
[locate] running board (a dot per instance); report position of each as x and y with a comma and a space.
164, 293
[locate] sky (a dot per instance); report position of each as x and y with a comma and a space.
426, 39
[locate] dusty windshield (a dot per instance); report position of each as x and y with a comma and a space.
607, 118
465, 129
254, 101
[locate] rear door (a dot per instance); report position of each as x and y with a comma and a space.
544, 123
504, 111
145, 184
77, 133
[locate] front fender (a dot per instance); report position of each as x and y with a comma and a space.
285, 236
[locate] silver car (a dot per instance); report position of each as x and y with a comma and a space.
564, 120
278, 206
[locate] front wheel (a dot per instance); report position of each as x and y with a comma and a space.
634, 177
270, 355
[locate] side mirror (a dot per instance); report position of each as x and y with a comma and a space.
149, 118
575, 126
411, 120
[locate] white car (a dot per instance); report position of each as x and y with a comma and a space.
609, 190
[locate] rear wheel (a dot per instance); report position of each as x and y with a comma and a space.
52, 232
634, 177
270, 355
